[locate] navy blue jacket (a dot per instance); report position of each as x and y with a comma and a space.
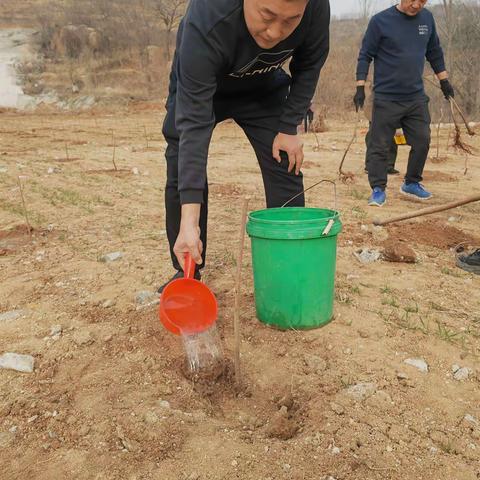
398, 44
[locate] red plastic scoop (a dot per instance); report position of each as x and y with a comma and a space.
187, 306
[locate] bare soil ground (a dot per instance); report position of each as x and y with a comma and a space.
95, 406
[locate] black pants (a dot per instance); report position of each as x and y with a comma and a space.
414, 118
391, 154
258, 116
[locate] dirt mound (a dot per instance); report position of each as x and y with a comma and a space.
17, 237
432, 233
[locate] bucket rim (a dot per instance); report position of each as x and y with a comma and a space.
335, 216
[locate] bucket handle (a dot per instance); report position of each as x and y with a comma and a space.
189, 269
313, 186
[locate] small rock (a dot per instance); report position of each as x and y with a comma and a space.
286, 401
361, 391
234, 464
336, 451
12, 315
389, 449
3, 169
145, 297
418, 363
17, 362
461, 374
135, 171
366, 256
111, 257
402, 376
453, 219
363, 334
82, 338
109, 303
32, 419
56, 331
164, 404
471, 419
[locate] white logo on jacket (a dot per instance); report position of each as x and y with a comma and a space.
263, 63
423, 29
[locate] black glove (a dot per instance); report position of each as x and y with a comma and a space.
359, 98
447, 88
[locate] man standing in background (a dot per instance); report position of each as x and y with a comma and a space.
398, 40
228, 64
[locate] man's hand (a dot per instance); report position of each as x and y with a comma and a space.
359, 98
447, 88
293, 146
188, 240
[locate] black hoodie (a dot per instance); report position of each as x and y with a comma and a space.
216, 55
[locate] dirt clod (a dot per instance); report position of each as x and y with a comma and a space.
398, 252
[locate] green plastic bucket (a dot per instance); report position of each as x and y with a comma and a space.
294, 254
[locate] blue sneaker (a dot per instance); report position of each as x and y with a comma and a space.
377, 198
415, 190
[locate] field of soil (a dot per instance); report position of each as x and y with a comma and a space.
107, 399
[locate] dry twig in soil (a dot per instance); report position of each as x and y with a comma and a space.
347, 177
236, 320
113, 155
25, 211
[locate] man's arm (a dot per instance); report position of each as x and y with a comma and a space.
197, 63
307, 61
368, 52
436, 59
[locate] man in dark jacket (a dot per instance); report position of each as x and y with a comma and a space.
228, 64
398, 40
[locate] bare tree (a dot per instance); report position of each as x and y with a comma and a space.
170, 13
449, 29
366, 8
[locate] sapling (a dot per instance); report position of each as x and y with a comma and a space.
24, 205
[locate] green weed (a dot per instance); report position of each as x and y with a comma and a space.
391, 301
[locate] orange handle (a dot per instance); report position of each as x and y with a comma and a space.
189, 268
